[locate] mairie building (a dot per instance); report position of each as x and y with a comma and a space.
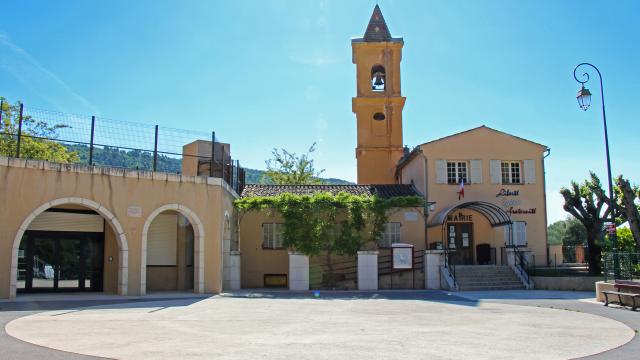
484, 190
77, 228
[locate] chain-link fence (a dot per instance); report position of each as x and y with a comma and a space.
34, 133
628, 263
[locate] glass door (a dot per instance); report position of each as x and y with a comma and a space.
44, 263
92, 263
60, 261
69, 269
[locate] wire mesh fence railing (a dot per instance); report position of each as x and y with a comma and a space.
34, 133
559, 255
628, 263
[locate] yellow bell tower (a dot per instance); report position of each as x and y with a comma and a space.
378, 104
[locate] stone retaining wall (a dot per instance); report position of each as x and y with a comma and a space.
571, 283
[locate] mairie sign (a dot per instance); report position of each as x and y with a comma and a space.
459, 217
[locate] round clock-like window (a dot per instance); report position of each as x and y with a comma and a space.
379, 116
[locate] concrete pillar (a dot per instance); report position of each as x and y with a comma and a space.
433, 261
511, 257
231, 271
367, 270
298, 271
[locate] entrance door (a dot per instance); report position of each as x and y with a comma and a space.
61, 261
460, 242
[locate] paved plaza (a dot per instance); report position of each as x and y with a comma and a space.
349, 325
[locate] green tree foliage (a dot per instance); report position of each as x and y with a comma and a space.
555, 232
287, 168
255, 176
631, 210
34, 143
131, 159
575, 233
568, 232
588, 203
625, 240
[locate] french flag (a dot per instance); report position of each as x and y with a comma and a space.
461, 190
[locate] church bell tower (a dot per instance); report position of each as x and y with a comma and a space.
378, 104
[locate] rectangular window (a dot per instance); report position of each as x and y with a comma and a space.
456, 172
391, 234
272, 235
511, 172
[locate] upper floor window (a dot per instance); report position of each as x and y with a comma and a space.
391, 234
272, 235
378, 78
511, 172
456, 172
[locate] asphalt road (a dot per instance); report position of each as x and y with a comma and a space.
12, 348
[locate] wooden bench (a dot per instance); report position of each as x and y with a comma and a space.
624, 285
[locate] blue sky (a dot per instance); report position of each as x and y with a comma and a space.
277, 73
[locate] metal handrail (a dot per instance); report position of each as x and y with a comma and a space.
521, 264
450, 266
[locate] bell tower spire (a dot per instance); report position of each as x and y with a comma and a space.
378, 103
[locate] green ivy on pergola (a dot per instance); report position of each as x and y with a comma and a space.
338, 224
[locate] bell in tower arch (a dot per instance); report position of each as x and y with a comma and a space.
378, 78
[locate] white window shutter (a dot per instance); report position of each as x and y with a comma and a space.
496, 175
520, 233
476, 171
529, 172
441, 171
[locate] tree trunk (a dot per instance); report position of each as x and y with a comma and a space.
595, 252
330, 276
633, 217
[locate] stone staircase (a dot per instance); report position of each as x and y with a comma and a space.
487, 277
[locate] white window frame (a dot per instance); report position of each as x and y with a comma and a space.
272, 235
392, 234
460, 171
509, 165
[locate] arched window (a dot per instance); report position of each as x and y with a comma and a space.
378, 78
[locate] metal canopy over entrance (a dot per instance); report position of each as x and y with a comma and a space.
493, 213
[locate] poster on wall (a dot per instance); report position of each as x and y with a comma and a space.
465, 240
402, 256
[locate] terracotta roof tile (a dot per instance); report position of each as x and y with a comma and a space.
383, 191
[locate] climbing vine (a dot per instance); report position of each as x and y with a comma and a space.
336, 224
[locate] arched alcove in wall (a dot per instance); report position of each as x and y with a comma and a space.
157, 228
35, 224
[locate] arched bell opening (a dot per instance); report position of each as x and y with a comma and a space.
378, 78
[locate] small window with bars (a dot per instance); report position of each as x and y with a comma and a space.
272, 235
456, 172
391, 235
511, 172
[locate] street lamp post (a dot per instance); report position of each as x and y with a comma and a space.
584, 101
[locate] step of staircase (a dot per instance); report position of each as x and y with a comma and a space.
486, 277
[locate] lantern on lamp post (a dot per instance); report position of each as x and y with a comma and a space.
584, 98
